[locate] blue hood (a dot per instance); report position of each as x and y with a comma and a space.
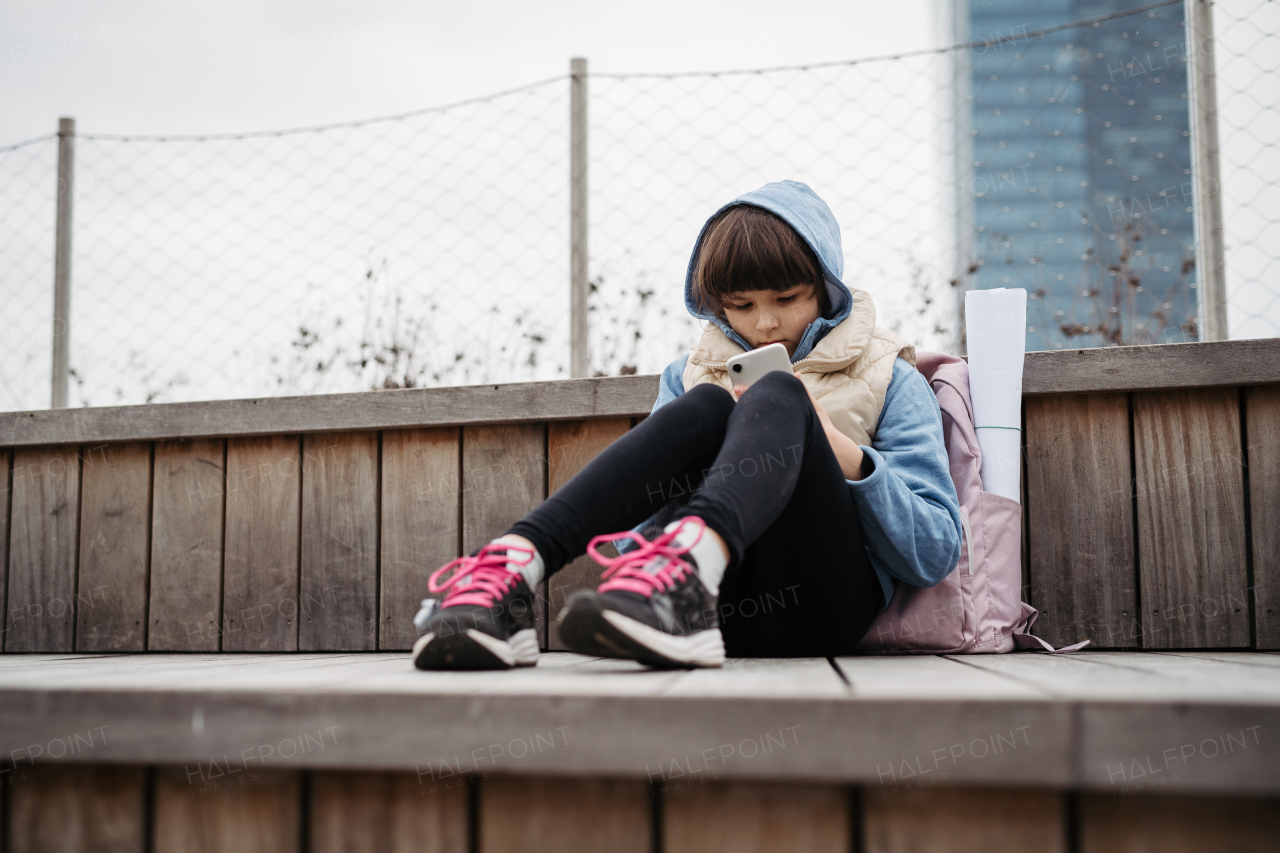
809, 215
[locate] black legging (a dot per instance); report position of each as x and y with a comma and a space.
759, 472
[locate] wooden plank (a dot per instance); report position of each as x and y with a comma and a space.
1230, 677
1221, 363
503, 479
1269, 660
6, 482
1181, 747
1191, 531
704, 816
286, 675
1025, 545
354, 812
420, 495
240, 811
339, 581
186, 546
58, 808
1080, 515
1131, 677
1119, 824
1262, 411
562, 399
174, 708
115, 510
570, 446
924, 677
401, 721
260, 568
1082, 716
1198, 365
1081, 677
747, 677
44, 528
532, 814
928, 819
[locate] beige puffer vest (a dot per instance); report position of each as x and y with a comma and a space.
848, 371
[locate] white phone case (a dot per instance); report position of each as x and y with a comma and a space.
745, 369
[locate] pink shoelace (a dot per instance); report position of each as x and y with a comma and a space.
627, 572
482, 579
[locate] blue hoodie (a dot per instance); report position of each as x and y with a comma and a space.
907, 504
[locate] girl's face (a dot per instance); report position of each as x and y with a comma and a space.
763, 317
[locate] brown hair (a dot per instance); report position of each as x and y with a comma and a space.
749, 248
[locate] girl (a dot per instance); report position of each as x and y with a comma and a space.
779, 515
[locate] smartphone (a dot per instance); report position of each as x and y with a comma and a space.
745, 369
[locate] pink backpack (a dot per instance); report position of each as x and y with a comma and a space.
978, 608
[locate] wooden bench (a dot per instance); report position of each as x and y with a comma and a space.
302, 530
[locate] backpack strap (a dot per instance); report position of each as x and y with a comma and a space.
1024, 639
1030, 641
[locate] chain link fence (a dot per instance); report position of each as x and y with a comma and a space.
418, 249
1247, 65
433, 247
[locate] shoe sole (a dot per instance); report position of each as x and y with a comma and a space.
475, 649
588, 627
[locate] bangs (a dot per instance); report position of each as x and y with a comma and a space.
748, 248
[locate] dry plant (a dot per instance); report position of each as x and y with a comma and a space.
1113, 300
399, 343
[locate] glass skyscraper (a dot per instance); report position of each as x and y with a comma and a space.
1075, 168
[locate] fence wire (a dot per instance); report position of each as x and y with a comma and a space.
668, 151
433, 248
28, 202
1247, 62
1080, 183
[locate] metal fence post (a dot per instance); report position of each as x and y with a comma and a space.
1210, 263
962, 162
579, 361
62, 263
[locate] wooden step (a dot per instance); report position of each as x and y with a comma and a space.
1198, 722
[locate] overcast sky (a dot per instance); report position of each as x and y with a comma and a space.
133, 66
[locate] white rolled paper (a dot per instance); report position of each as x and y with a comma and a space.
996, 327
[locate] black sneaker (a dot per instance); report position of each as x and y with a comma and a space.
652, 606
485, 620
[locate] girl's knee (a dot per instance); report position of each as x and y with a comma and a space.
712, 398
775, 385
702, 408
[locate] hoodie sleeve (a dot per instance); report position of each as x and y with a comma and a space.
907, 502
671, 385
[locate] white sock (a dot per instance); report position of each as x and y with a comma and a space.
706, 551
533, 570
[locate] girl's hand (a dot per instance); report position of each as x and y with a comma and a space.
739, 390
848, 454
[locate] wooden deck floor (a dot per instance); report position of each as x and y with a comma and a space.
1209, 721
